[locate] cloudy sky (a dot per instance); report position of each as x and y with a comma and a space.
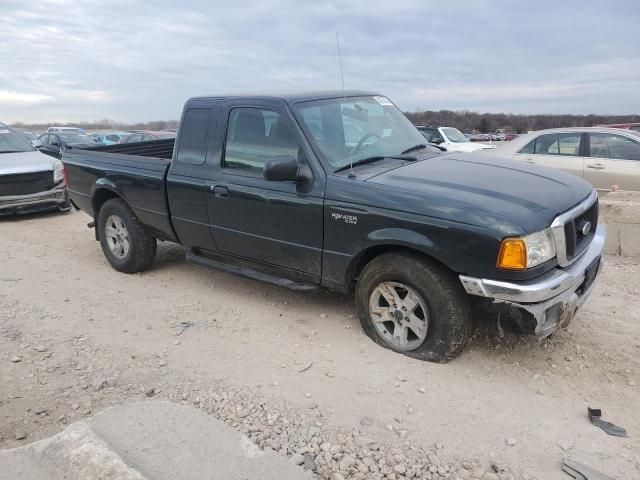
137, 61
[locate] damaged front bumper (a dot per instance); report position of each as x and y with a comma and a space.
54, 197
552, 299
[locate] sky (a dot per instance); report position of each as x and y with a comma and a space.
139, 61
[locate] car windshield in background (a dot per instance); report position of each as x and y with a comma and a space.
75, 138
455, 135
29, 135
355, 128
11, 142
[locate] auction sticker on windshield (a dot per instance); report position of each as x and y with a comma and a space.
384, 101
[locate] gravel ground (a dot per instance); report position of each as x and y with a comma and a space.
296, 374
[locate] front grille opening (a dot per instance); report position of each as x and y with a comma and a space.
26, 183
576, 240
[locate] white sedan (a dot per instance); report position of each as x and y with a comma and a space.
609, 158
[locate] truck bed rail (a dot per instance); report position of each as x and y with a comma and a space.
154, 148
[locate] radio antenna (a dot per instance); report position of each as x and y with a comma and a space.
344, 98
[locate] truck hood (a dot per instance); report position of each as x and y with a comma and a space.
25, 162
486, 190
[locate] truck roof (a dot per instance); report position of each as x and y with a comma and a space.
293, 97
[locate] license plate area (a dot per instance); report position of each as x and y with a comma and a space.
589, 276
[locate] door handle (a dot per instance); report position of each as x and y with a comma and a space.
530, 160
219, 191
596, 166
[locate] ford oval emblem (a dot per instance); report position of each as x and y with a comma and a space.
585, 228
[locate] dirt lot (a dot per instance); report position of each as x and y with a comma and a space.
77, 336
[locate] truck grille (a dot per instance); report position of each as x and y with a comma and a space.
574, 230
25, 183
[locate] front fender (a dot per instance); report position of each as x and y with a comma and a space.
400, 237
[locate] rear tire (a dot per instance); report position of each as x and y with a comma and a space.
124, 241
427, 316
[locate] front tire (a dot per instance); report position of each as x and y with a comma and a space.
124, 241
414, 306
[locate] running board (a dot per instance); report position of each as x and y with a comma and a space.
193, 257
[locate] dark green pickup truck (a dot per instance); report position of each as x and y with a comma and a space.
339, 190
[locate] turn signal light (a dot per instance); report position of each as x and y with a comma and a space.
513, 254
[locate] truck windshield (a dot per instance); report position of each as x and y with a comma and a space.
11, 142
454, 135
354, 128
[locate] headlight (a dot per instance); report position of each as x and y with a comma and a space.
520, 253
58, 172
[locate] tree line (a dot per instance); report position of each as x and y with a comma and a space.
469, 121
464, 120
105, 124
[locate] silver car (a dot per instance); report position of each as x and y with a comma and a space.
609, 158
29, 180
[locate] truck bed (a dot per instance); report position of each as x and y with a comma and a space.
136, 172
154, 149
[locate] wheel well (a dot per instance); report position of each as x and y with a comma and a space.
364, 257
99, 199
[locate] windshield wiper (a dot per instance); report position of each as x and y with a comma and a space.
419, 146
372, 159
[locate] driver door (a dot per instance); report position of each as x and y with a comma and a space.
275, 223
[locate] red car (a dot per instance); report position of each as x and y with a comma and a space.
625, 126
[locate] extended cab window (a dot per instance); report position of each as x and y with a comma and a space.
195, 133
556, 144
254, 136
609, 145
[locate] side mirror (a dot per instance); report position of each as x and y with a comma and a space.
281, 169
437, 141
55, 144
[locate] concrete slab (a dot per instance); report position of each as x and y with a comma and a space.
147, 441
620, 211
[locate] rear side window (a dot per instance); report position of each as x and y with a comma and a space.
529, 147
566, 144
194, 134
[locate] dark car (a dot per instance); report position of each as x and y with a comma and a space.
54, 143
147, 136
272, 188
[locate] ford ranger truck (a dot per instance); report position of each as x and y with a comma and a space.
339, 190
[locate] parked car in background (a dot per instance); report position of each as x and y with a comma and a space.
450, 139
111, 138
53, 143
147, 136
65, 129
510, 136
29, 180
625, 126
603, 156
31, 137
